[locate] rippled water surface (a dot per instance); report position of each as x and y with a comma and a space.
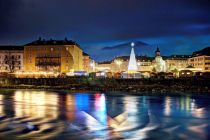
71, 116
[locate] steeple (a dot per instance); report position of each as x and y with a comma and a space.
157, 52
132, 65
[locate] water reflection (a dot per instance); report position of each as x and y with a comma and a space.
36, 104
182, 106
1, 104
100, 108
99, 116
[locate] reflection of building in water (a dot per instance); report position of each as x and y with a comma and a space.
100, 108
82, 102
184, 104
1, 105
70, 107
167, 109
35, 104
131, 107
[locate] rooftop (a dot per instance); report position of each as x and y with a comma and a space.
52, 42
205, 51
176, 57
85, 54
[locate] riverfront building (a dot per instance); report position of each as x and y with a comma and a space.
201, 60
60, 56
147, 64
159, 65
176, 62
88, 63
11, 58
55, 57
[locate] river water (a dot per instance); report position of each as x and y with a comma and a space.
27, 114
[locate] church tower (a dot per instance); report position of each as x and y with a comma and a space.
157, 52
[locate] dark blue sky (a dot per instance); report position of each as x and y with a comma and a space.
177, 26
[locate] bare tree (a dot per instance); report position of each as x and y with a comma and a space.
10, 62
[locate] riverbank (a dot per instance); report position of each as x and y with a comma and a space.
138, 90
132, 86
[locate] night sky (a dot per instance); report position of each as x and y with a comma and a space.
104, 28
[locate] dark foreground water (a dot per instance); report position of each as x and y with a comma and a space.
67, 116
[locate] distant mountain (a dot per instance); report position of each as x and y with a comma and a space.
205, 51
126, 46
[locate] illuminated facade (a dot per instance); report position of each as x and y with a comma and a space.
53, 55
201, 62
159, 64
104, 66
120, 64
176, 62
88, 63
11, 58
147, 64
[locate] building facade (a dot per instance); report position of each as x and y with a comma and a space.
176, 62
11, 58
148, 64
202, 62
53, 56
120, 64
88, 63
159, 65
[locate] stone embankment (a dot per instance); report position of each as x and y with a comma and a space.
136, 86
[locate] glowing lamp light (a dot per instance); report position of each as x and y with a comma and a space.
132, 44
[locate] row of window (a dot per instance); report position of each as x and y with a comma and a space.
49, 55
46, 48
11, 68
10, 56
197, 64
207, 58
11, 62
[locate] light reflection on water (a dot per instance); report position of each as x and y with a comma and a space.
62, 115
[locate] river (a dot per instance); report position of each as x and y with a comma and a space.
31, 114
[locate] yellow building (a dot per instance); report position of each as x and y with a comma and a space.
104, 66
202, 62
176, 62
53, 56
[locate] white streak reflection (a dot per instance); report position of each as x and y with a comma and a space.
167, 109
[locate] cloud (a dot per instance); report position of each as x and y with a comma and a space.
100, 21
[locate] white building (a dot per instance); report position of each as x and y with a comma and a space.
159, 63
11, 58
